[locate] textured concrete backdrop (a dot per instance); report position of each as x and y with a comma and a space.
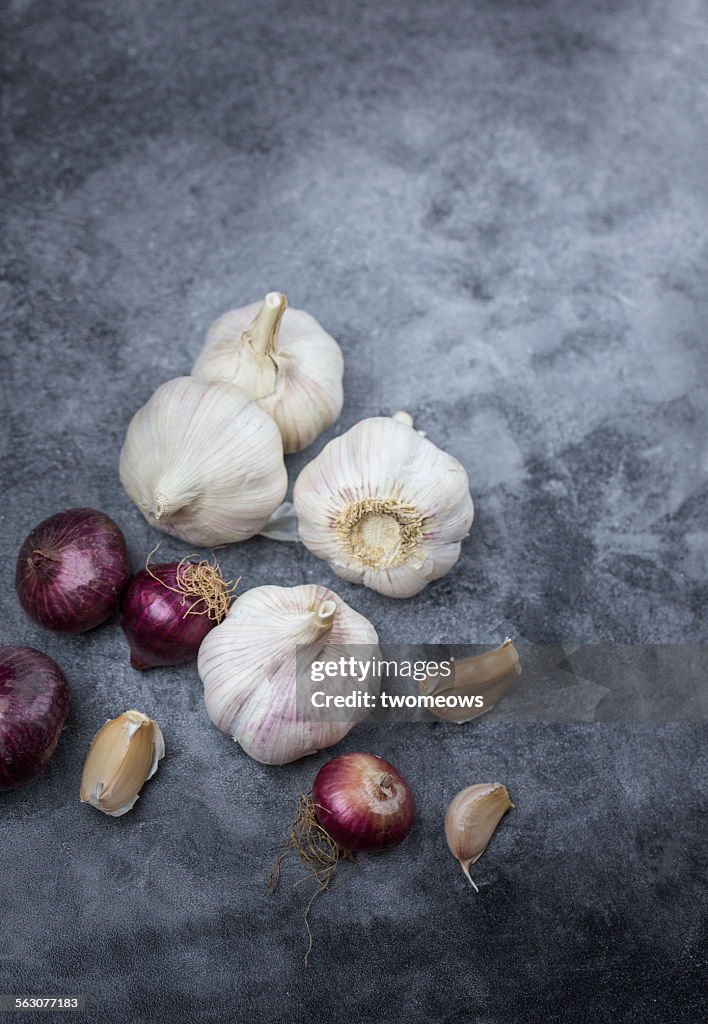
499, 209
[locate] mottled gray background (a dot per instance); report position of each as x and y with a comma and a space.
499, 208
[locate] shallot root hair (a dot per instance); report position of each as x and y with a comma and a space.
316, 850
203, 583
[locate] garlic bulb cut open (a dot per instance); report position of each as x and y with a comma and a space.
203, 462
385, 507
283, 360
256, 669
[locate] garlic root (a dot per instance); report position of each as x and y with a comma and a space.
384, 506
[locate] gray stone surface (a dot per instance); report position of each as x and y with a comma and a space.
499, 208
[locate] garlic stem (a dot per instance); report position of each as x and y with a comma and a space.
403, 417
263, 329
324, 616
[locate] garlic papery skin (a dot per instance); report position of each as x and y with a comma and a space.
203, 462
284, 360
384, 507
471, 820
488, 675
124, 754
249, 667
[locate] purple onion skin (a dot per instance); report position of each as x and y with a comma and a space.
72, 570
354, 808
154, 620
34, 703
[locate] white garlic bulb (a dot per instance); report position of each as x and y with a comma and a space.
203, 462
283, 360
256, 667
384, 506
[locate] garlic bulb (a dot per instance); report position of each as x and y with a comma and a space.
256, 669
124, 754
203, 462
384, 506
283, 360
471, 820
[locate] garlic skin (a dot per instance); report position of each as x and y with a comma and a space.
203, 462
124, 754
284, 360
488, 675
248, 668
384, 507
471, 821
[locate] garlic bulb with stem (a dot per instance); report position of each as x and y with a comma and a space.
283, 360
256, 670
203, 462
384, 507
124, 754
471, 820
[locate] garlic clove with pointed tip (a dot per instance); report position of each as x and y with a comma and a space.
471, 821
124, 754
488, 675
284, 361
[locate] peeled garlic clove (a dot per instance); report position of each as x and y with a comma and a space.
487, 675
124, 754
384, 507
249, 666
284, 360
471, 820
203, 462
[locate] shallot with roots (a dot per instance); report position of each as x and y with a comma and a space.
358, 803
34, 703
169, 608
72, 570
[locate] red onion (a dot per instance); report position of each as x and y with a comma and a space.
363, 803
72, 570
358, 802
34, 703
169, 608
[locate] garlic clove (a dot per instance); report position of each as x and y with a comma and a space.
124, 754
384, 507
471, 821
284, 361
488, 675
